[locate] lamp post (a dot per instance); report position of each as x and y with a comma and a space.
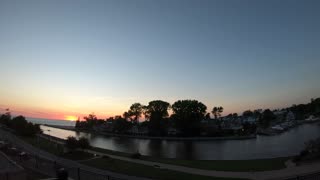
49, 134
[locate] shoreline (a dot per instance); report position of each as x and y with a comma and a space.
156, 137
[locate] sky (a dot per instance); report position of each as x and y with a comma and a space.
70, 58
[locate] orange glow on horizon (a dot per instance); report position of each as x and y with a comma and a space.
70, 118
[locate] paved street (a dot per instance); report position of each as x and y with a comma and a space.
68, 163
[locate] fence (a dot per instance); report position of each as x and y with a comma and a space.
311, 176
49, 168
18, 175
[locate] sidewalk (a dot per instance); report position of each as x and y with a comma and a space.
275, 174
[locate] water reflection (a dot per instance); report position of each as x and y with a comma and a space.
286, 144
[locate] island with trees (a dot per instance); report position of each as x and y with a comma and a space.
190, 118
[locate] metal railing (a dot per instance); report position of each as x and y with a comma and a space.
50, 168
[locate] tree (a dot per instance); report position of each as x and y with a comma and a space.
71, 143
267, 117
229, 116
188, 115
235, 115
257, 113
247, 113
121, 125
83, 143
91, 117
207, 116
22, 127
18, 123
5, 118
135, 110
90, 121
157, 110
126, 116
216, 111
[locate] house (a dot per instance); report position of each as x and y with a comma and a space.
290, 116
311, 118
133, 130
250, 120
173, 131
209, 126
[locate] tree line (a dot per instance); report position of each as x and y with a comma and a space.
186, 116
19, 124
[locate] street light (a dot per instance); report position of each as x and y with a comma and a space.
49, 134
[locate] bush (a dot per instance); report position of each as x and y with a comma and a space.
303, 153
83, 143
72, 143
105, 157
22, 127
136, 155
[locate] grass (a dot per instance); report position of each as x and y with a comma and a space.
45, 145
77, 155
31, 175
218, 165
230, 165
57, 149
136, 169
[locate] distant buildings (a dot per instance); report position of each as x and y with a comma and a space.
290, 116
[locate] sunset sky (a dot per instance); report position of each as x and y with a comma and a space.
70, 58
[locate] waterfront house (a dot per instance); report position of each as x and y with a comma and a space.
172, 131
290, 116
250, 120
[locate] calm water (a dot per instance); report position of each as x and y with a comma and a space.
51, 122
286, 144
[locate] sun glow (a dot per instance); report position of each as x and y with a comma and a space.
70, 118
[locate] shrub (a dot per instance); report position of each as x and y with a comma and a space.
72, 143
83, 143
136, 155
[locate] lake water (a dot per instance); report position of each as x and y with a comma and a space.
285, 144
51, 121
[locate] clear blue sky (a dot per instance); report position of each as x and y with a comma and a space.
75, 57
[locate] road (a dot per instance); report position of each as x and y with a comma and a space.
65, 162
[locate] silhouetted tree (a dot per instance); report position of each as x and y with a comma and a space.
157, 110
267, 118
135, 111
257, 113
207, 116
229, 116
216, 111
121, 125
71, 142
90, 121
235, 115
126, 116
247, 113
22, 127
5, 118
188, 114
83, 143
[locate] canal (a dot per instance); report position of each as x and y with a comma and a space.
285, 144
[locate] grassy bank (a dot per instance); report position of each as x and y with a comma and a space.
135, 169
219, 165
44, 144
